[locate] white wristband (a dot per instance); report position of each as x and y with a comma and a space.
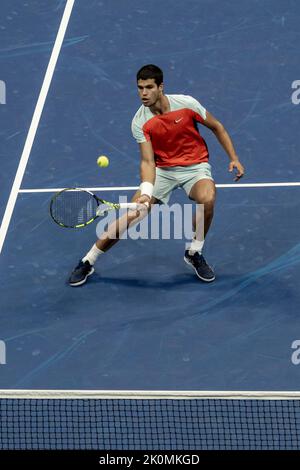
146, 189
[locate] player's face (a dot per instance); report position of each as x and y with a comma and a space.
149, 92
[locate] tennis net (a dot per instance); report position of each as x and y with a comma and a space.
136, 420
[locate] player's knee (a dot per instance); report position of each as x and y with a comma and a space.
208, 200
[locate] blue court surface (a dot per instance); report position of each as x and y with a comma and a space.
144, 321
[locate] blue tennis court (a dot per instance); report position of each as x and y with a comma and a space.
145, 322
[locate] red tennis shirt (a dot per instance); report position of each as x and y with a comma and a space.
175, 137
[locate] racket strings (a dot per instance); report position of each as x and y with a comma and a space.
72, 208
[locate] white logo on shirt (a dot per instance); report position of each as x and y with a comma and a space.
178, 120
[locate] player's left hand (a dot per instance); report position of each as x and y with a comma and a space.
236, 164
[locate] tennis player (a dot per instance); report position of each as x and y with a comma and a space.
173, 154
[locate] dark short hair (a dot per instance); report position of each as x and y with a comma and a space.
150, 71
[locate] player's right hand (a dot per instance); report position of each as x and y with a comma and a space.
143, 200
143, 210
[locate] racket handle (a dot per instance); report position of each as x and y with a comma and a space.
133, 205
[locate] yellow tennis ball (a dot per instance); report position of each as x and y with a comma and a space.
102, 161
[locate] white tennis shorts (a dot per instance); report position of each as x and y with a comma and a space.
173, 177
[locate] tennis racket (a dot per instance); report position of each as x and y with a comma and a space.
77, 208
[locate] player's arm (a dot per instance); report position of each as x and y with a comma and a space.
147, 171
223, 137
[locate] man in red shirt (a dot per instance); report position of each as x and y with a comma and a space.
173, 154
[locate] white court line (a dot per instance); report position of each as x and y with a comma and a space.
131, 188
55, 190
257, 185
35, 121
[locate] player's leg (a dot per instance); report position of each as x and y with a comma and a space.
117, 228
108, 239
204, 192
201, 189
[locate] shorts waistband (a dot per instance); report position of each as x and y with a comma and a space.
182, 168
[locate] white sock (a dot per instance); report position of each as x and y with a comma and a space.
196, 245
92, 255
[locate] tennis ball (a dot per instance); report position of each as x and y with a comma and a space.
102, 161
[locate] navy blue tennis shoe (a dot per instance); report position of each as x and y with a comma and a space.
200, 266
80, 274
